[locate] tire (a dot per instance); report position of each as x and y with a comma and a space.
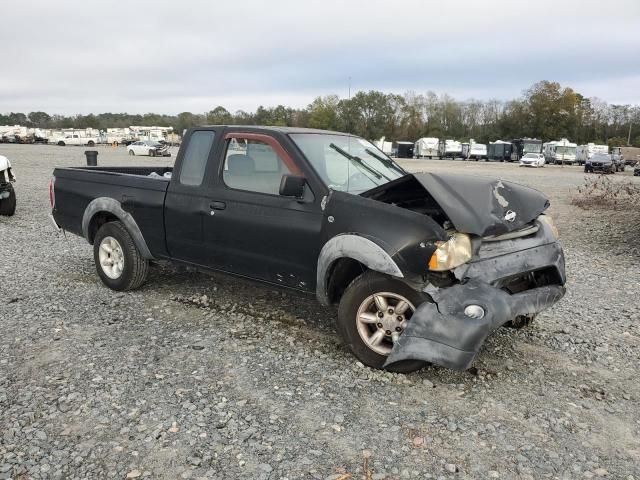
61, 144
152, 153
132, 153
91, 143
360, 293
8, 205
134, 267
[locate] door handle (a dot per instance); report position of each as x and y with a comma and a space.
217, 205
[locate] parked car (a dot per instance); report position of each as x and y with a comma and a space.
636, 170
600, 162
75, 139
619, 162
146, 147
532, 160
7, 192
423, 266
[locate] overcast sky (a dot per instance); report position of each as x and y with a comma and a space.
167, 57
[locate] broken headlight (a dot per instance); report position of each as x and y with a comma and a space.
452, 253
551, 224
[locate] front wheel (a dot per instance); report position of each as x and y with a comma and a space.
90, 143
131, 153
374, 311
8, 205
118, 261
61, 143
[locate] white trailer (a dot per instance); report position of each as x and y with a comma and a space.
119, 135
477, 151
426, 147
585, 152
384, 146
449, 149
152, 134
560, 151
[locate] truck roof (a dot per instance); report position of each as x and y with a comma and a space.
274, 128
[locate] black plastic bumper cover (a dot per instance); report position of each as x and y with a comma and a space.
441, 333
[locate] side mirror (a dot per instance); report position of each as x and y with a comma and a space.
292, 186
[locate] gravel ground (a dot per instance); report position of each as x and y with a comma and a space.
198, 376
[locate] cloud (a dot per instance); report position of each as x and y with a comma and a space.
76, 56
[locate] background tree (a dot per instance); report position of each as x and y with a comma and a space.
546, 110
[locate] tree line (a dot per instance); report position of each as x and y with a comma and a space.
547, 111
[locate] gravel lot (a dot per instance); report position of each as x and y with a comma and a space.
197, 376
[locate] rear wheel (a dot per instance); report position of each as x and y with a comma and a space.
152, 153
91, 143
118, 261
373, 313
8, 205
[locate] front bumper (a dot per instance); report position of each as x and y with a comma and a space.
600, 168
441, 333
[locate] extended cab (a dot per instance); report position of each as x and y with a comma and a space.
423, 266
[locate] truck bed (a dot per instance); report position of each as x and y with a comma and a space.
137, 189
136, 171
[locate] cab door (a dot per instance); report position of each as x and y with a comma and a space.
252, 230
188, 197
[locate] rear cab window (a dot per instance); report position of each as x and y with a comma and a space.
194, 162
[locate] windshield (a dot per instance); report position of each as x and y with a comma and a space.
601, 158
532, 148
531, 155
346, 163
567, 150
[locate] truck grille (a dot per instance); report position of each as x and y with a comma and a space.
526, 281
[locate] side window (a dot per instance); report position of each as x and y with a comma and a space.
195, 158
253, 165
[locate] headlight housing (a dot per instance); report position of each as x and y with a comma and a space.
549, 221
452, 253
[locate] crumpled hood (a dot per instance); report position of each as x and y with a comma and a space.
475, 205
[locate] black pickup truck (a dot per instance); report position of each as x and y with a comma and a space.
423, 266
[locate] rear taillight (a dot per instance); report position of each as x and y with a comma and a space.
52, 192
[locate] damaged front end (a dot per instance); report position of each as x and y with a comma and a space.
516, 268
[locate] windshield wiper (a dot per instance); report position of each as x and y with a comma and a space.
359, 161
387, 161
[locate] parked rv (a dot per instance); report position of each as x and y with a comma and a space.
585, 152
426, 147
630, 155
152, 134
522, 146
560, 152
449, 149
499, 150
477, 151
